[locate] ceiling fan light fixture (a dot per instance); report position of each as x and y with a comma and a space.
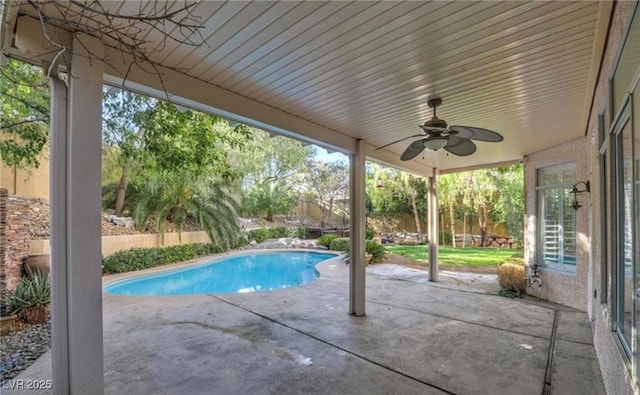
435, 143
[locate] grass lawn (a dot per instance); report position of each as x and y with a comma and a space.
449, 256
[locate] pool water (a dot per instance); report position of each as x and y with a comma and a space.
255, 272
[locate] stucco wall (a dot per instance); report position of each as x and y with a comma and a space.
32, 183
112, 244
614, 370
568, 288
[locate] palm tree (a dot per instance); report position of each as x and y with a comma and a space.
177, 195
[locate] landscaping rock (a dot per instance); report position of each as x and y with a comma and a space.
22, 347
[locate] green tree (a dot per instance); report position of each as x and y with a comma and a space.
451, 189
273, 169
326, 182
24, 105
510, 204
176, 195
188, 141
121, 134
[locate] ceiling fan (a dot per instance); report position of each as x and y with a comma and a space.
437, 135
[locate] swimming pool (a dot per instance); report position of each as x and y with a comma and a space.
255, 272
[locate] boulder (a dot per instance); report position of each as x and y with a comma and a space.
37, 263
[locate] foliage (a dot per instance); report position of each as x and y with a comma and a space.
371, 247
449, 256
340, 244
267, 199
326, 239
32, 291
327, 182
259, 234
277, 232
376, 250
24, 123
300, 232
393, 194
509, 207
175, 196
142, 258
272, 168
445, 238
369, 233
511, 279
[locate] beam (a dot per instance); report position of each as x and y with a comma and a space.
357, 226
432, 226
75, 222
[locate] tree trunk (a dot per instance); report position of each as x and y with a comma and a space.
330, 210
442, 229
416, 216
482, 218
122, 189
452, 219
464, 231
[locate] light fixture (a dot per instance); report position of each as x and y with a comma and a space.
435, 143
575, 192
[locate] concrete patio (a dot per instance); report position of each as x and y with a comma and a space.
451, 337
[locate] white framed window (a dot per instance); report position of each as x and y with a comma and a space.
556, 218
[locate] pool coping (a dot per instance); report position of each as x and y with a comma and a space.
324, 267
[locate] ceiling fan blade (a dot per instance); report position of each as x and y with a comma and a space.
414, 149
460, 146
397, 141
479, 134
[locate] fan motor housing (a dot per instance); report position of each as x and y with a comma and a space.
436, 122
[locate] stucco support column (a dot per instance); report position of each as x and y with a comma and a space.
432, 226
357, 232
76, 122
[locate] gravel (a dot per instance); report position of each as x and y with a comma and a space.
22, 347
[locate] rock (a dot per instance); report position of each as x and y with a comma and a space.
253, 242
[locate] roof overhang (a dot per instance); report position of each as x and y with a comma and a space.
527, 70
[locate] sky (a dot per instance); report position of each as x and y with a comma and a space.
323, 155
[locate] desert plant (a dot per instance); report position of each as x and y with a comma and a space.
371, 247
326, 239
376, 250
511, 279
31, 298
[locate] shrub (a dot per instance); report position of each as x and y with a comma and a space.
31, 298
369, 233
375, 249
259, 235
445, 238
339, 244
302, 232
326, 239
511, 279
142, 258
277, 232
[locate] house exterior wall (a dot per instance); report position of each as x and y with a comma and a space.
575, 289
566, 287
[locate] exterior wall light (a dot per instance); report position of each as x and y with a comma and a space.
575, 192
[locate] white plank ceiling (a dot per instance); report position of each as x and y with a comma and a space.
364, 69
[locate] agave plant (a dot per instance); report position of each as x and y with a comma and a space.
176, 196
31, 298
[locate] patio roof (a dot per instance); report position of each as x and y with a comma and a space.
334, 72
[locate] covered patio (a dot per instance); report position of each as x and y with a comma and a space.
418, 337
351, 77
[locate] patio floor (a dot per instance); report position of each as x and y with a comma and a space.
450, 337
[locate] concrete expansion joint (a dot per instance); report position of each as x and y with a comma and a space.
323, 341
